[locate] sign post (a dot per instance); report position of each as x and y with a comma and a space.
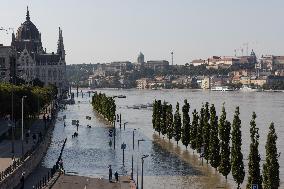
123, 146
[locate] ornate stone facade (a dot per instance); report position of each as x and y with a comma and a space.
34, 62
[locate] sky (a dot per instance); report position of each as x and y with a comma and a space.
117, 30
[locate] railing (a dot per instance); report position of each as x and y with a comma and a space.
19, 162
57, 168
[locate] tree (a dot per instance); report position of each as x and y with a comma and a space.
177, 124
164, 118
271, 166
186, 124
224, 134
158, 116
206, 132
237, 156
214, 146
254, 176
170, 122
194, 127
154, 114
199, 140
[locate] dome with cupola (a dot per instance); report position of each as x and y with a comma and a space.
27, 30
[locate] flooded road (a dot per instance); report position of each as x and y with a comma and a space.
168, 165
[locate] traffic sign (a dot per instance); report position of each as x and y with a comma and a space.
123, 146
254, 186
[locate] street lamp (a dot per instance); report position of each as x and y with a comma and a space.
133, 133
23, 98
140, 140
12, 118
142, 159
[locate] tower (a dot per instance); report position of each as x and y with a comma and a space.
60, 45
140, 59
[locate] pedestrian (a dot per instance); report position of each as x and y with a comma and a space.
40, 136
64, 124
116, 176
27, 137
109, 173
34, 138
22, 180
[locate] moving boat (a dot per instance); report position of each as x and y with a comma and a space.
222, 88
121, 96
247, 88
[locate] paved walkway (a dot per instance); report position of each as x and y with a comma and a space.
6, 145
79, 182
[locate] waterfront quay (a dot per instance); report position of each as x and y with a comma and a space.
75, 182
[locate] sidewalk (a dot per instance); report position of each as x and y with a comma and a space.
6, 145
79, 182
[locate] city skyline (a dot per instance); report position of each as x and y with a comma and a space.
106, 31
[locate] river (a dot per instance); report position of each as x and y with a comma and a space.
168, 165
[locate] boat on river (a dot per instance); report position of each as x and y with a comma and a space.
121, 96
247, 88
222, 88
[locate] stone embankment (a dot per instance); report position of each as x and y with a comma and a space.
11, 177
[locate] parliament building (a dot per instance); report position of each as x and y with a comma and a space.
33, 62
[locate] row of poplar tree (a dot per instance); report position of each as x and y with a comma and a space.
214, 140
104, 105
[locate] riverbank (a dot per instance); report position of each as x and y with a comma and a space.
75, 182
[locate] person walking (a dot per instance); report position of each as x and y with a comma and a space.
109, 173
116, 176
23, 180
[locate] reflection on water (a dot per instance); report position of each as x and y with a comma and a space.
169, 165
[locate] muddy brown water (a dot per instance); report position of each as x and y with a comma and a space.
168, 165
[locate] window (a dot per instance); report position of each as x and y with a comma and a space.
2, 62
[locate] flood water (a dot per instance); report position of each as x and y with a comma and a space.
168, 165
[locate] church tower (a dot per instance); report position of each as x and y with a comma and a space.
60, 45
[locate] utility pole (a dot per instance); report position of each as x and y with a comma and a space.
23, 124
142, 159
120, 121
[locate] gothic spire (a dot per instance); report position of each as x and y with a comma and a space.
60, 45
28, 14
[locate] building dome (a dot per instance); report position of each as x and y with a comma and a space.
28, 31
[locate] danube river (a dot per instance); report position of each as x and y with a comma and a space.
168, 165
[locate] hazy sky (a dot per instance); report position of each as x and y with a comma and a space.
111, 30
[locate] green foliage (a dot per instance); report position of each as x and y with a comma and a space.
105, 106
170, 122
224, 134
158, 116
177, 124
36, 99
214, 146
254, 176
236, 152
206, 131
155, 109
186, 124
194, 131
164, 118
271, 166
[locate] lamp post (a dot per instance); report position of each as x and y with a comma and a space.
12, 118
23, 98
140, 140
133, 132
142, 161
